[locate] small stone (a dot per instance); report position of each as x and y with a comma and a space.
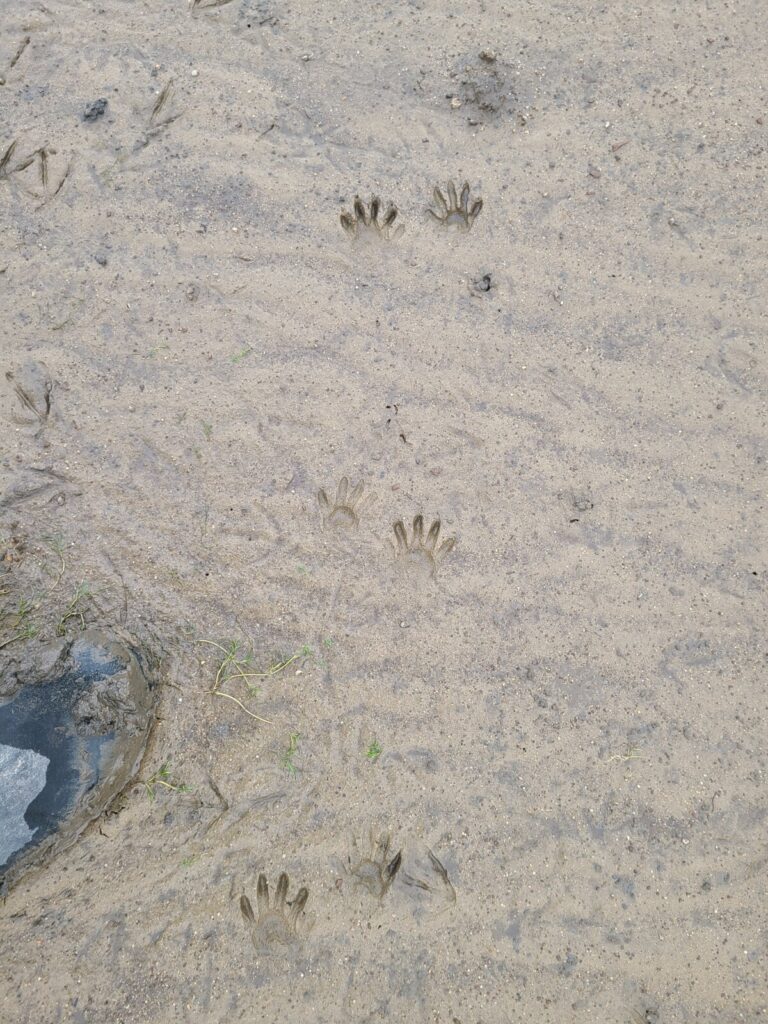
95, 110
455, 102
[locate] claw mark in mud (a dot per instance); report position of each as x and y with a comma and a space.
43, 154
345, 510
5, 159
159, 119
455, 211
22, 47
431, 877
63, 178
418, 553
40, 484
17, 56
160, 102
276, 925
365, 223
156, 119
34, 389
377, 871
5, 169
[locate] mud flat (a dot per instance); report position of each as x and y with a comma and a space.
441, 536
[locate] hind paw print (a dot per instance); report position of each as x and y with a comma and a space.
275, 925
345, 510
420, 553
455, 211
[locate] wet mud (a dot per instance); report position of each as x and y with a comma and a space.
77, 737
441, 535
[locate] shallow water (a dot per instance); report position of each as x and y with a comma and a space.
71, 743
567, 711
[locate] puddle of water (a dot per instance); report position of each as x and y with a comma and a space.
68, 744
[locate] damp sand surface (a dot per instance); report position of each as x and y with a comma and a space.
518, 777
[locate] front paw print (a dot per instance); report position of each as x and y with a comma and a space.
376, 872
346, 509
420, 554
276, 925
366, 222
455, 211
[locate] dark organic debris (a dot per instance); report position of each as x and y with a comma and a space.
95, 110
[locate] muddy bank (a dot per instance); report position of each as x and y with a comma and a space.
72, 736
518, 777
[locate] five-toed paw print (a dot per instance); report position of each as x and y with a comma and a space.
421, 553
275, 925
377, 871
366, 222
455, 211
345, 510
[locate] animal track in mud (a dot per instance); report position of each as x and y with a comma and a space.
489, 89
420, 554
365, 223
17, 56
276, 924
42, 485
33, 387
7, 165
42, 158
455, 211
345, 510
431, 878
377, 871
577, 503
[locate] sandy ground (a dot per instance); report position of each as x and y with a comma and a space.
569, 713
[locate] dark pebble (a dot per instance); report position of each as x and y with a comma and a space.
95, 110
